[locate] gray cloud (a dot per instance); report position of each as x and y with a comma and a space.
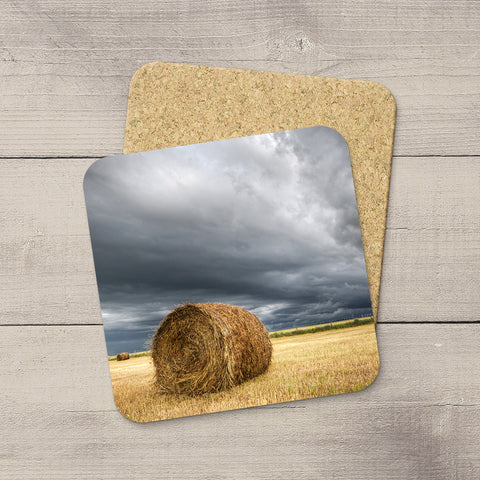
267, 222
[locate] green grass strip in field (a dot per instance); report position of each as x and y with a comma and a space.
321, 328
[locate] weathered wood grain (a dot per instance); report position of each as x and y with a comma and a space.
431, 260
64, 71
65, 68
418, 420
326, 439
47, 269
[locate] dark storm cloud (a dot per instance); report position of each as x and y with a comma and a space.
268, 222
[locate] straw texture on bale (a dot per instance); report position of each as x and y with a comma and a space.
208, 347
123, 356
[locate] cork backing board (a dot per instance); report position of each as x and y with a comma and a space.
174, 104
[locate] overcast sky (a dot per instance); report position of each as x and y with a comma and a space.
268, 222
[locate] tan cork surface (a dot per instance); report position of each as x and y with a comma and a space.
172, 104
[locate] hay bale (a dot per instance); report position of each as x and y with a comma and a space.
208, 347
123, 356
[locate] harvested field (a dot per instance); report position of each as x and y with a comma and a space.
303, 366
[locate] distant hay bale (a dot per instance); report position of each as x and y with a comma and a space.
123, 356
208, 347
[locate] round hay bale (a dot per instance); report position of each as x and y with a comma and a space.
208, 347
123, 356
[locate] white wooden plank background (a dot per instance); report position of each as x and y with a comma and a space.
64, 71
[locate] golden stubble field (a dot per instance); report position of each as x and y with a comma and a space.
303, 366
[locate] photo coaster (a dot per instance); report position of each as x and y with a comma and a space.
231, 274
174, 104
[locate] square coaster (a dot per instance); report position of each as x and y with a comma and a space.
175, 104
231, 274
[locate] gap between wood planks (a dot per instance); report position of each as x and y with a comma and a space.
80, 157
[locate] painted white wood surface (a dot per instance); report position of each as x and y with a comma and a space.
66, 66
431, 263
431, 260
64, 74
61, 421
